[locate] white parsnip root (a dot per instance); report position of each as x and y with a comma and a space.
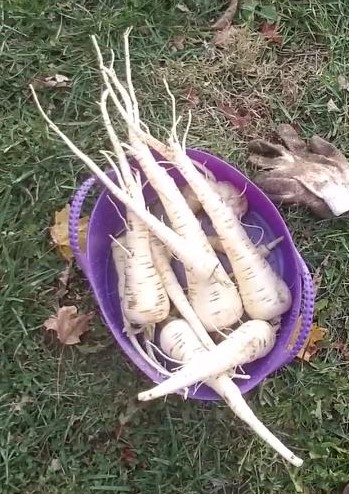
251, 341
213, 301
119, 258
203, 294
264, 294
176, 244
229, 194
176, 293
180, 343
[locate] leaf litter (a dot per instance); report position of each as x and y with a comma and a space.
343, 83
225, 38
63, 281
271, 33
227, 17
18, 406
192, 97
319, 272
235, 65
182, 7
177, 43
68, 325
60, 232
312, 344
51, 82
237, 117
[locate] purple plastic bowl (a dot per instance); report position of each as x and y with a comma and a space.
98, 267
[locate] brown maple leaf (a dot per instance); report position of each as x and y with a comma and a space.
68, 325
238, 118
271, 33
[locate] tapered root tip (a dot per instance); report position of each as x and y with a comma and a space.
297, 462
145, 396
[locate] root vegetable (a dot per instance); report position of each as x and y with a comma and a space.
230, 393
176, 293
228, 193
178, 246
183, 220
179, 342
251, 341
263, 249
145, 299
203, 295
264, 294
119, 258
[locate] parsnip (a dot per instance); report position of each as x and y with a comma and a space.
249, 342
181, 343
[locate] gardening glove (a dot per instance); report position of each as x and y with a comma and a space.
315, 175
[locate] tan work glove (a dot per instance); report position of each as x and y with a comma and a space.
315, 175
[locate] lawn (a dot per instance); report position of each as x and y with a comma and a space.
69, 422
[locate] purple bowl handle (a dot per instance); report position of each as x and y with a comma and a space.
74, 217
307, 310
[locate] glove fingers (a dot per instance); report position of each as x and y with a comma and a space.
260, 162
288, 192
319, 145
282, 189
290, 138
266, 163
319, 208
265, 148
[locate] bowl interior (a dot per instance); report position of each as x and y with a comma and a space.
105, 220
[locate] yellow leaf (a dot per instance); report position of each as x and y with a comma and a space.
311, 345
60, 232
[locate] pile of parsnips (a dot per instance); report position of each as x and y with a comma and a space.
215, 300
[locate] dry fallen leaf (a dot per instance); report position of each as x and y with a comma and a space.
51, 82
224, 38
331, 106
63, 280
237, 117
271, 33
342, 348
19, 405
128, 456
182, 7
177, 43
318, 273
55, 465
311, 345
343, 82
60, 232
227, 17
192, 97
68, 325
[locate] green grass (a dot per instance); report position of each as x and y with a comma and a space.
62, 409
